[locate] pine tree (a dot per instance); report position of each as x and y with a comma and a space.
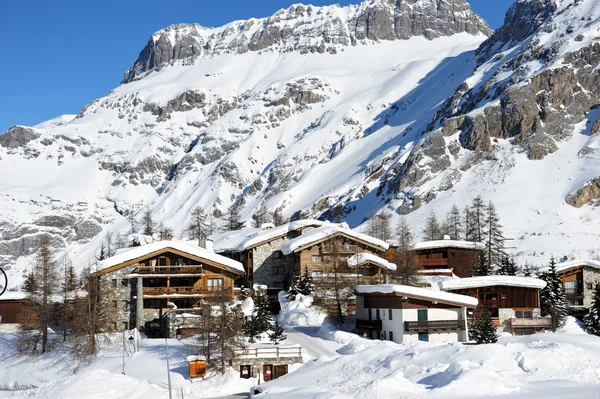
278, 218
71, 280
482, 329
432, 230
30, 284
494, 239
259, 323
407, 267
148, 223
232, 219
508, 267
477, 212
337, 214
261, 216
300, 285
277, 335
482, 268
468, 225
592, 319
101, 252
110, 250
552, 298
132, 222
197, 227
455, 223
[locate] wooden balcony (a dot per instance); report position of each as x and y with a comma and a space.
434, 325
537, 322
369, 324
429, 262
169, 270
340, 249
172, 291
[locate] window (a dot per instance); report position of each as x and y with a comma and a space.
390, 317
114, 283
524, 314
377, 315
125, 305
383, 335
115, 326
317, 258
215, 284
452, 254
370, 314
124, 282
162, 261
504, 296
125, 326
277, 255
571, 287
280, 270
391, 335
523, 332
422, 315
424, 336
575, 302
115, 304
589, 286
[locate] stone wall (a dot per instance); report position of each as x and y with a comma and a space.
505, 314
121, 313
590, 276
266, 264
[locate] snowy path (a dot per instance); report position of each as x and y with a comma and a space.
312, 345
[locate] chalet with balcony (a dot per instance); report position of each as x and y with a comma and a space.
447, 257
513, 302
336, 248
579, 279
405, 314
140, 283
259, 250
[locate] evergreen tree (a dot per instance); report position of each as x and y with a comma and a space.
379, 226
337, 214
552, 298
432, 230
148, 223
300, 285
494, 239
477, 212
482, 329
508, 267
132, 222
455, 223
232, 219
71, 280
102, 252
482, 268
407, 267
278, 218
592, 319
468, 225
277, 335
110, 250
261, 216
30, 284
259, 323
197, 227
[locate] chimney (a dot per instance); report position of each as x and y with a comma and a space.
202, 242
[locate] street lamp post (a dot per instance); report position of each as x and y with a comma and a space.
168, 368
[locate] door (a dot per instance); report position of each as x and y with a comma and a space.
422, 315
424, 336
267, 372
280, 371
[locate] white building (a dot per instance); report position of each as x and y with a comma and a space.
402, 313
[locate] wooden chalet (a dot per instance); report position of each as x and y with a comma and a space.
12, 307
579, 279
443, 256
512, 302
142, 282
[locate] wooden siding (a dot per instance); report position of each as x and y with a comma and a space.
461, 261
375, 301
12, 311
516, 297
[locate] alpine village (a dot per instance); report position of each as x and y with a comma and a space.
419, 249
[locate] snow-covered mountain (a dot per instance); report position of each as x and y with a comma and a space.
397, 106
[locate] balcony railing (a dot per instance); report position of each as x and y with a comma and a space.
172, 291
369, 324
538, 322
169, 269
434, 325
340, 249
433, 262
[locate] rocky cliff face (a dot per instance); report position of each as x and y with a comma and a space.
309, 29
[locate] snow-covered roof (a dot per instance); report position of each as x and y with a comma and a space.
137, 252
447, 243
417, 292
436, 271
240, 240
366, 257
491, 281
328, 230
577, 263
12, 296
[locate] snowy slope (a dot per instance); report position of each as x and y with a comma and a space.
381, 120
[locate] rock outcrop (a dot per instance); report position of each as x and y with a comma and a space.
588, 194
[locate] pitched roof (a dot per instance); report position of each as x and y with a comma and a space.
328, 230
366, 257
577, 263
417, 292
448, 244
182, 246
240, 240
491, 281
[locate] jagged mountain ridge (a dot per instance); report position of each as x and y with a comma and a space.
368, 127
309, 29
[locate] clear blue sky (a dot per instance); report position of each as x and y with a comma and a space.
59, 55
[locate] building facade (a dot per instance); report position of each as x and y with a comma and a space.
512, 302
405, 314
448, 256
579, 279
141, 284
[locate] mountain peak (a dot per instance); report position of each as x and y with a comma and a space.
309, 29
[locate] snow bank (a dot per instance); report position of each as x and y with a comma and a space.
417, 292
490, 281
448, 244
523, 366
182, 246
299, 312
366, 257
